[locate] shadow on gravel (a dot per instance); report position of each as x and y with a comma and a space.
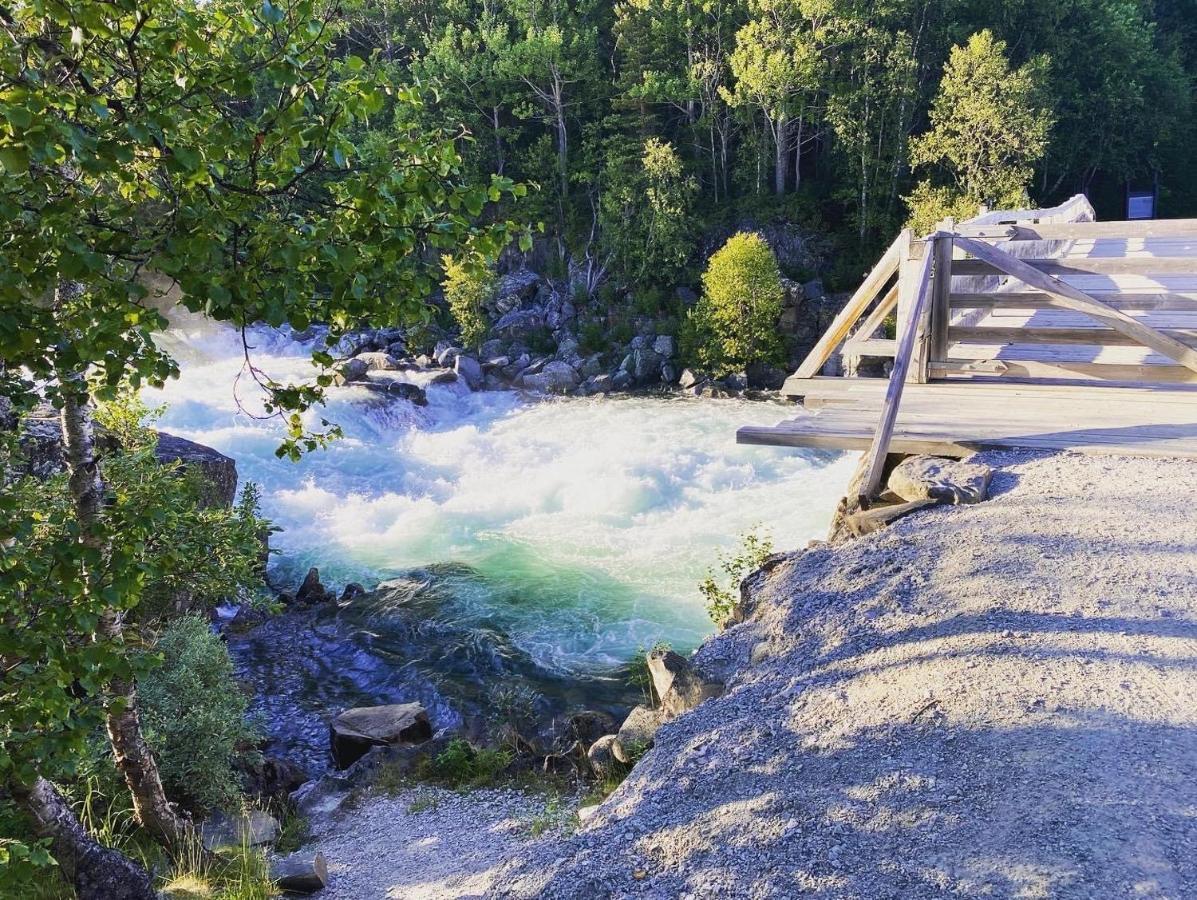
1100, 806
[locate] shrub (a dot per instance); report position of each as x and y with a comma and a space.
194, 715
463, 765
735, 321
467, 288
721, 594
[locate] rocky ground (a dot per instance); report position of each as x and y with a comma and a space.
979, 701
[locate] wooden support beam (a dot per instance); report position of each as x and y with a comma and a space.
941, 305
874, 462
1074, 298
853, 310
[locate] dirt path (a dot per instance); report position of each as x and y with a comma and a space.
998, 701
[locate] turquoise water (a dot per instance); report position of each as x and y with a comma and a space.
589, 522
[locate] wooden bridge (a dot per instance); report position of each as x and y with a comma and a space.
1035, 329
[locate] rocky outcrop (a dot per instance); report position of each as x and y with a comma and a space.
356, 730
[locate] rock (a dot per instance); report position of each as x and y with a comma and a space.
467, 367
352, 370
601, 756
737, 381
512, 290
353, 589
356, 730
765, 377
556, 377
447, 356
941, 480
664, 346
688, 379
599, 384
678, 685
813, 289
398, 349
272, 777
621, 380
592, 365
636, 734
444, 378
867, 521
493, 348
219, 471
585, 813
586, 726
254, 828
669, 373
377, 361
300, 873
318, 800
520, 322
496, 363
404, 390
312, 591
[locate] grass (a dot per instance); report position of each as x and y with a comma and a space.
463, 766
605, 786
555, 816
239, 873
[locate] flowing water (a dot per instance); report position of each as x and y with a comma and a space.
577, 529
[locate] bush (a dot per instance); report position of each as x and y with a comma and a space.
735, 321
721, 594
194, 716
463, 765
467, 288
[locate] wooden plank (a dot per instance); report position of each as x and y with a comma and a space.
853, 309
985, 393
886, 347
1036, 334
875, 460
1071, 371
1040, 300
880, 312
1064, 267
1056, 231
1074, 298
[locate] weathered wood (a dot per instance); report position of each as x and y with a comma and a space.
941, 307
1179, 300
1074, 371
852, 311
1074, 298
1057, 231
1023, 334
893, 396
871, 347
1073, 266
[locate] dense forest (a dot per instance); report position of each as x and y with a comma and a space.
653, 127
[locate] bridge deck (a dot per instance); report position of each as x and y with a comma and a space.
955, 419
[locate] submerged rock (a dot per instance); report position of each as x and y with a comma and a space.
355, 731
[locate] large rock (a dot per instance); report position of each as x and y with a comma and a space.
678, 685
352, 370
356, 730
378, 361
312, 591
636, 734
556, 377
253, 828
219, 471
942, 480
512, 290
300, 873
469, 369
601, 756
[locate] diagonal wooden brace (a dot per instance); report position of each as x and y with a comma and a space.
1069, 297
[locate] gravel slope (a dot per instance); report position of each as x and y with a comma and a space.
992, 701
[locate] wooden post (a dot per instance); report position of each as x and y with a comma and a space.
941, 297
874, 462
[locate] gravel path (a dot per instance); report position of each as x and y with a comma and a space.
992, 701
427, 843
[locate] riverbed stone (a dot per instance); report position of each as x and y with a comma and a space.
378, 361
351, 370
939, 479
469, 369
556, 377
601, 756
636, 734
300, 873
356, 730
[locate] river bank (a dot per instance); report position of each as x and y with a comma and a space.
978, 701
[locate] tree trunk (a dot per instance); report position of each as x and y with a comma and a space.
96, 872
798, 155
781, 158
133, 756
500, 161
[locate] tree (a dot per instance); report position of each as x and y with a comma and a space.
213, 144
734, 324
988, 129
467, 288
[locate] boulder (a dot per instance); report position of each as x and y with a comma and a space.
678, 685
312, 591
404, 390
320, 799
356, 730
556, 377
444, 378
686, 296
377, 361
737, 381
601, 756
664, 346
599, 384
352, 590
512, 290
520, 322
253, 828
218, 470
271, 777
447, 355
300, 873
493, 348
469, 369
636, 734
942, 480
352, 370
688, 379
765, 377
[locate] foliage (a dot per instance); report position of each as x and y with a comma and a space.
467, 288
735, 321
462, 765
988, 129
721, 587
194, 715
